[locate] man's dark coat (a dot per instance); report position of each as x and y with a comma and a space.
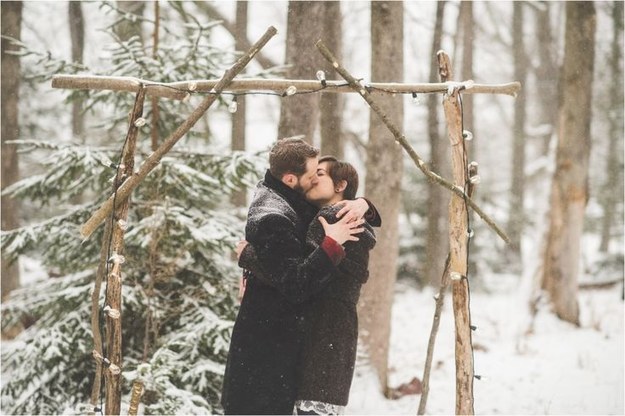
261, 370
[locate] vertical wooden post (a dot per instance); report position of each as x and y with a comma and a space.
438, 309
458, 242
114, 278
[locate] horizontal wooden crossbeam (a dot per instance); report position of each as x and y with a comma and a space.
181, 89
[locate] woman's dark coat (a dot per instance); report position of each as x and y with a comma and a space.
326, 367
260, 375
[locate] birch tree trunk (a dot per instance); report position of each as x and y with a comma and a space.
517, 188
239, 198
612, 191
436, 248
384, 172
331, 105
11, 26
299, 113
569, 190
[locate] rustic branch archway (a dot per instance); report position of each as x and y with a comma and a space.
461, 186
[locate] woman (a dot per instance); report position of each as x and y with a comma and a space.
331, 323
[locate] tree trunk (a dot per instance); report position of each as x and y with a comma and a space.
468, 120
214, 14
77, 33
546, 75
436, 248
613, 188
384, 172
156, 111
11, 26
127, 29
458, 246
239, 198
569, 191
331, 105
299, 113
516, 213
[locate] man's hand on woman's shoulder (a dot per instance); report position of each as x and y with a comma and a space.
343, 230
352, 209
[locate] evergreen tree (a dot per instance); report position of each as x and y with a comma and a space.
179, 281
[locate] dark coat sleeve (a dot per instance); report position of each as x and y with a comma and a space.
279, 258
372, 216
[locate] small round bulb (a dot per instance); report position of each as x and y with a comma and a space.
233, 107
415, 98
117, 259
291, 90
455, 276
122, 224
140, 122
475, 179
321, 76
115, 370
112, 313
107, 162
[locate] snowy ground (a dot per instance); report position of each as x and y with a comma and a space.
557, 369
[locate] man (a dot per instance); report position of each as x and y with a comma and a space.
260, 376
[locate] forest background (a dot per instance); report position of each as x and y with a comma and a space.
180, 281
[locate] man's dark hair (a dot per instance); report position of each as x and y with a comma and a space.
342, 171
289, 156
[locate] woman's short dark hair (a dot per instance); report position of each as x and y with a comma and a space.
342, 171
290, 156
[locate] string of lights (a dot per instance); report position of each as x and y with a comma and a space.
114, 260
192, 89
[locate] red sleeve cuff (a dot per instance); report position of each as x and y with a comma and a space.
333, 249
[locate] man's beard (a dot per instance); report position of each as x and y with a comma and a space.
299, 189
